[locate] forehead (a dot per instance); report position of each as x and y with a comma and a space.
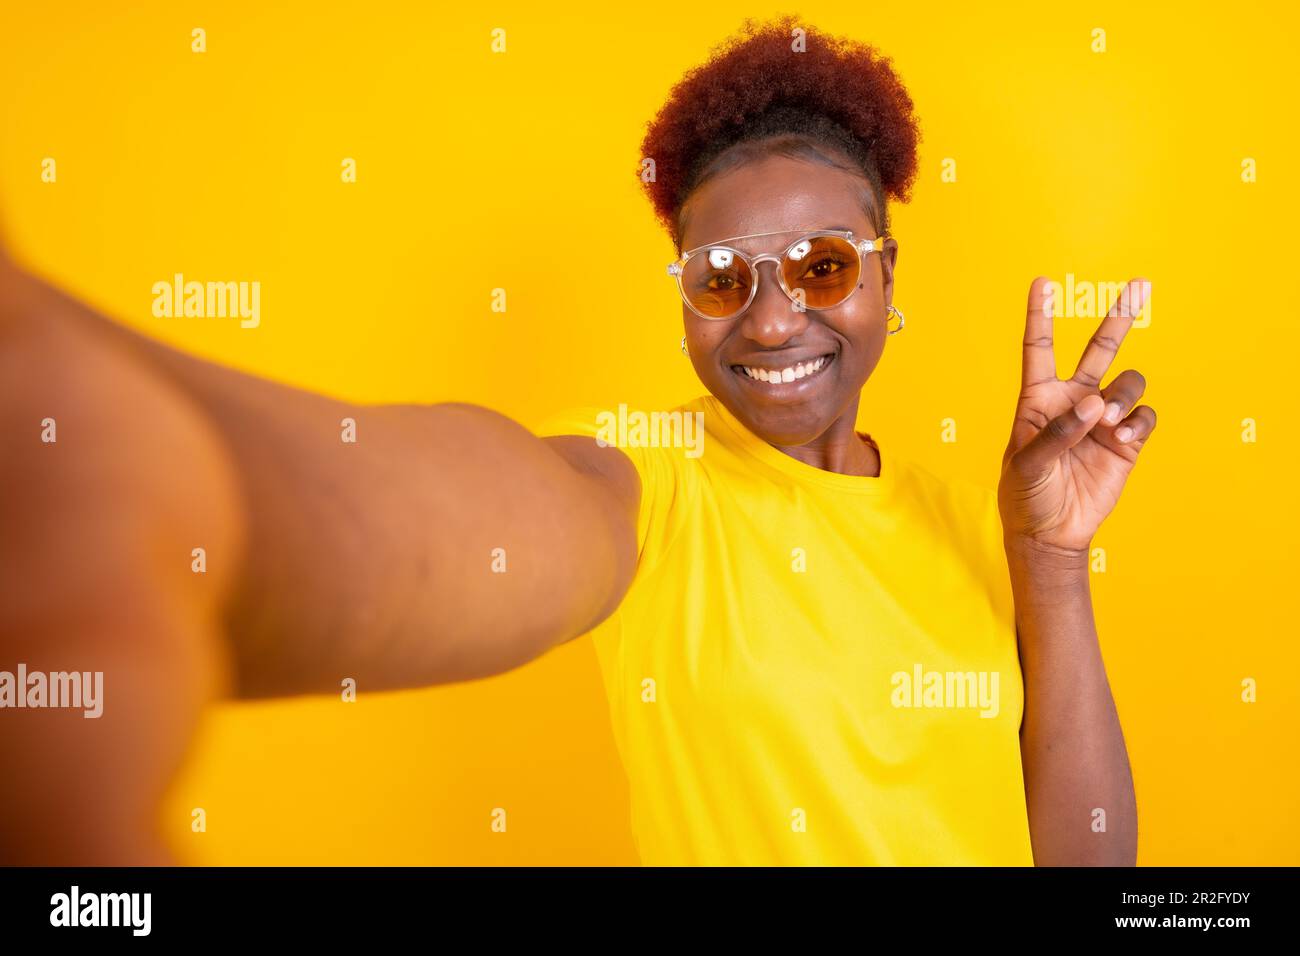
776, 194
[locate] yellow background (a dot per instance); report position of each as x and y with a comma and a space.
517, 170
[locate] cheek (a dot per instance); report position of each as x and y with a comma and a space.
703, 338
864, 326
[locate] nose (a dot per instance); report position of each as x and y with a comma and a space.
772, 318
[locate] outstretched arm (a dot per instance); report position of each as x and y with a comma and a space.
325, 559
1072, 447
372, 558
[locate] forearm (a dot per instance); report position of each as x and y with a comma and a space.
1078, 784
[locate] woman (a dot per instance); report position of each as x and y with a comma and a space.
816, 657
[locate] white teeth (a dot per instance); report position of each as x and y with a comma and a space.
793, 373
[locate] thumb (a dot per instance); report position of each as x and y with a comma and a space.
1060, 434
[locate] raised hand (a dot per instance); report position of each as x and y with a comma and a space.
1072, 443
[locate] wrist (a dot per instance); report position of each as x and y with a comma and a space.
1037, 563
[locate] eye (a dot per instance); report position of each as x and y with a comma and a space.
724, 275
723, 282
824, 266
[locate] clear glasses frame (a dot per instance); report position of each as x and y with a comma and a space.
864, 247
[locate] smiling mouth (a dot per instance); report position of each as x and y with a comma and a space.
779, 379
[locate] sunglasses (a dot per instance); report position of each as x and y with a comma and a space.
819, 270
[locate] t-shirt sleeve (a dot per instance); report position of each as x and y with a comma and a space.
659, 470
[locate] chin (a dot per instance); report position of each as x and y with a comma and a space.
789, 424
785, 409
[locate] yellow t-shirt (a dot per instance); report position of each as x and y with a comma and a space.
809, 668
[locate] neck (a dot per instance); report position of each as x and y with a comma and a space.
838, 449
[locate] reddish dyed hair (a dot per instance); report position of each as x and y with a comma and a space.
837, 103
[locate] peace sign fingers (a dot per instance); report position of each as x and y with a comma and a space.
1105, 341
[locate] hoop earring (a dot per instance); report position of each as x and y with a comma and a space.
894, 311
684, 352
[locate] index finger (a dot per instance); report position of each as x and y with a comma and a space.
1039, 362
1105, 341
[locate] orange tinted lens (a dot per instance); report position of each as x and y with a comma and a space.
716, 282
825, 268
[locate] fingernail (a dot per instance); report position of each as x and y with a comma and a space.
1079, 412
1124, 434
1113, 412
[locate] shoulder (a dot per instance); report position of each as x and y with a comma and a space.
663, 447
625, 426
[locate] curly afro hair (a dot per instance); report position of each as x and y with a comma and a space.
837, 102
